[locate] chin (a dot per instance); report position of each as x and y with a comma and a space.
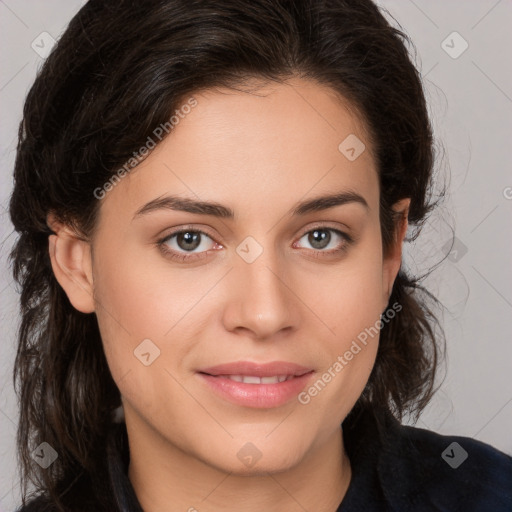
255, 458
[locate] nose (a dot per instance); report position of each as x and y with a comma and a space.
261, 299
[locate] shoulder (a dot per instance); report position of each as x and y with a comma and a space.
447, 472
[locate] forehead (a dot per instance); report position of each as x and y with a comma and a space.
260, 147
289, 118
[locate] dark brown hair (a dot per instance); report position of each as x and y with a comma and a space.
118, 71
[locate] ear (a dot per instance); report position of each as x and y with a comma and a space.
393, 259
70, 257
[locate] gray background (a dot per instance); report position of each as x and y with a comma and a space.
469, 94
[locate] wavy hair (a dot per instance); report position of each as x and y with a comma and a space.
118, 71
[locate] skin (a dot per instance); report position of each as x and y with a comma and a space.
258, 154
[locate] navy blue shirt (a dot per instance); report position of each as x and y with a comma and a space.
401, 468
394, 468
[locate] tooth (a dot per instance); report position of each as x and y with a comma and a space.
269, 380
249, 379
252, 379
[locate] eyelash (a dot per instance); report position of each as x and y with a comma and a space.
183, 257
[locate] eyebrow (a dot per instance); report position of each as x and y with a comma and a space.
214, 209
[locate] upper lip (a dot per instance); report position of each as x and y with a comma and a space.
257, 369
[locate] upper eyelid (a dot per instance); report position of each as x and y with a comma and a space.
324, 225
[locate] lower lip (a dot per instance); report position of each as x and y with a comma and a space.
257, 395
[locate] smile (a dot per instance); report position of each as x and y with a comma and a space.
264, 385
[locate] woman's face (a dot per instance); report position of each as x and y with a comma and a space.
270, 274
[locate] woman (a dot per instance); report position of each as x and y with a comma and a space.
268, 365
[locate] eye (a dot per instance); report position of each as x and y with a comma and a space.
321, 237
180, 245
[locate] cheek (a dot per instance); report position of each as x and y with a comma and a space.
352, 295
139, 297
350, 302
147, 314
130, 311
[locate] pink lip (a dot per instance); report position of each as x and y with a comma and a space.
257, 395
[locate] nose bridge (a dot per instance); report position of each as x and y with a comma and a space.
261, 301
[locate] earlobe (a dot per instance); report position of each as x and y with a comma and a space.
393, 260
70, 257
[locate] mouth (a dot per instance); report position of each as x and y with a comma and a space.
257, 385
